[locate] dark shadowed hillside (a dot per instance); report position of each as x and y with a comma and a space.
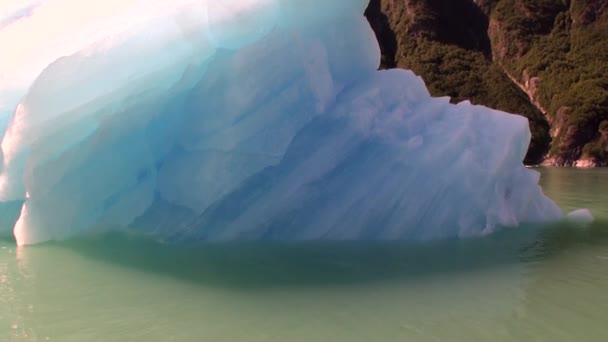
544, 59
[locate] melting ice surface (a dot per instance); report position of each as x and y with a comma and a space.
240, 119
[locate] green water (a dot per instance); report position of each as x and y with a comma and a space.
529, 284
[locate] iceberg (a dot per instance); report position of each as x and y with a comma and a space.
240, 119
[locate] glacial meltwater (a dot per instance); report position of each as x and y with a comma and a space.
525, 284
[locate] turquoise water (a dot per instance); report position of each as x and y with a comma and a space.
526, 284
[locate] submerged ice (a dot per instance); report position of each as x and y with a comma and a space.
240, 119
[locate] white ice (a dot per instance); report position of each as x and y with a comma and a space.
240, 119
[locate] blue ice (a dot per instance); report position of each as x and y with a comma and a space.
242, 119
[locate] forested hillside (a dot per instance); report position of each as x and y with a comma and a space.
544, 59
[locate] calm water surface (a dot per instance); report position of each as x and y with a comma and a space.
529, 284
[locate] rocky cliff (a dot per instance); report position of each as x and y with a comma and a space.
544, 59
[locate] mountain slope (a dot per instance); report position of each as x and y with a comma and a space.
544, 59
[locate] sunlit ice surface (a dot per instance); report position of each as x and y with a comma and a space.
244, 119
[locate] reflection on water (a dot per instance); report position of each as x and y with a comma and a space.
526, 284
518, 285
16, 283
577, 188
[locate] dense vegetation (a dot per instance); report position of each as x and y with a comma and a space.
544, 59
